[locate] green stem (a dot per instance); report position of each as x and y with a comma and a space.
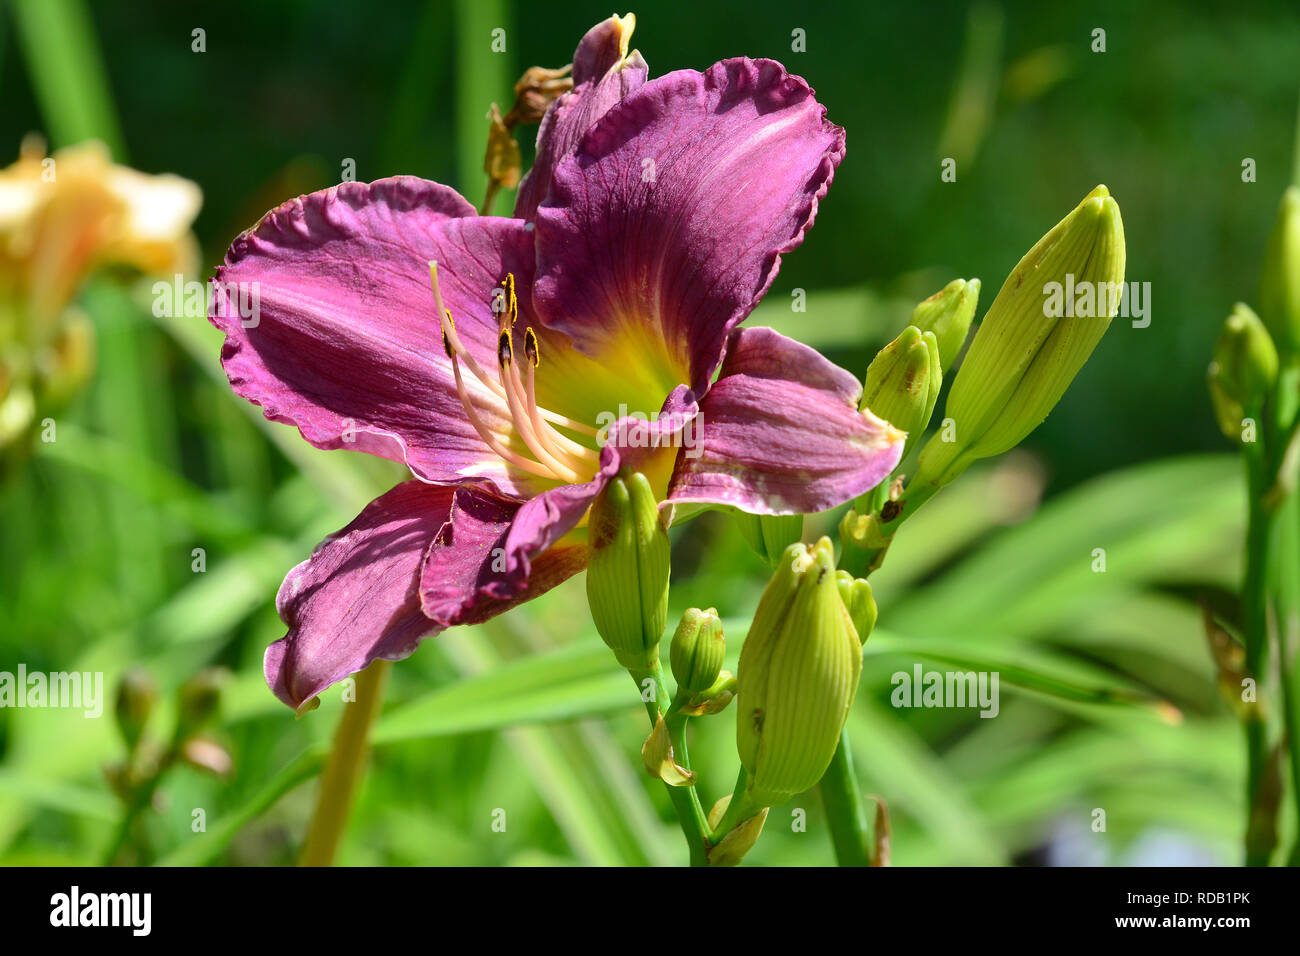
344, 767
1261, 827
850, 834
141, 799
685, 800
1286, 621
738, 810
1284, 577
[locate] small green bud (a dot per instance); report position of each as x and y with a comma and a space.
200, 696
948, 314
1243, 371
627, 571
697, 650
798, 674
903, 381
136, 696
769, 535
1279, 293
859, 602
1049, 316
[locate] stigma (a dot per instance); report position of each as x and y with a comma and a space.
550, 453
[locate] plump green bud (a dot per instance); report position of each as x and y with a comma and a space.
798, 673
770, 535
627, 570
1049, 316
136, 696
948, 314
859, 602
200, 696
697, 650
1243, 371
903, 381
1279, 293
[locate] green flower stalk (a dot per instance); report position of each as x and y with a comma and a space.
697, 650
1279, 293
627, 572
1049, 316
903, 380
948, 314
1243, 372
798, 674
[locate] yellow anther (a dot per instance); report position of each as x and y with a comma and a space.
512, 301
531, 348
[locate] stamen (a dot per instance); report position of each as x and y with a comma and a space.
519, 413
490, 439
558, 457
450, 337
560, 444
530, 347
513, 303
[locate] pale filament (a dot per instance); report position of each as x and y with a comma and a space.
557, 456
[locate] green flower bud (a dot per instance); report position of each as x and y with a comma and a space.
200, 697
627, 571
1049, 316
769, 535
903, 381
136, 696
859, 602
1243, 371
798, 673
948, 315
1279, 293
697, 650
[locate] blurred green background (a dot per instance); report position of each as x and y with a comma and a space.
160, 458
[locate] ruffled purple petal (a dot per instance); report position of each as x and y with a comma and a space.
346, 342
780, 432
357, 597
603, 74
674, 211
474, 571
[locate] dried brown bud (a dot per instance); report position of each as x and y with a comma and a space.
502, 162
536, 90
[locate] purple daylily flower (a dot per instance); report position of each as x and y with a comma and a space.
483, 352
